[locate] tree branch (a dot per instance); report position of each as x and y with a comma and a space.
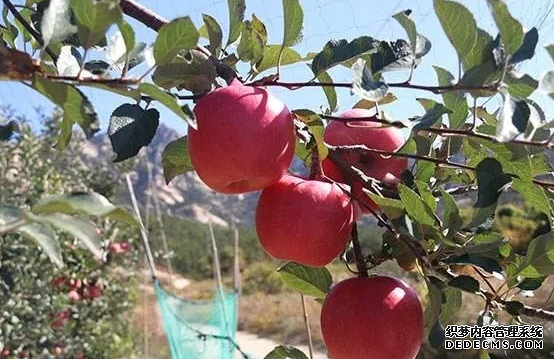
29, 28
358, 255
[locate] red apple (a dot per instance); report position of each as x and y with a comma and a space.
115, 248
58, 282
372, 135
372, 318
305, 221
5, 353
245, 139
125, 247
93, 291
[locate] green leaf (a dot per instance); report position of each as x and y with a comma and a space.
459, 25
285, 352
409, 26
76, 107
527, 49
81, 229
131, 128
237, 8
215, 34
306, 280
454, 100
393, 208
510, 29
482, 74
177, 36
465, 283
364, 85
533, 194
520, 87
451, 304
337, 52
168, 101
128, 34
251, 45
271, 57
123, 91
92, 204
41, 234
426, 194
317, 129
329, 91
452, 218
539, 260
531, 283
546, 83
176, 160
515, 308
432, 116
294, 19
491, 180
415, 206
94, 18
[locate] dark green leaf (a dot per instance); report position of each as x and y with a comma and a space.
455, 101
482, 74
306, 280
94, 18
214, 33
237, 8
92, 204
131, 128
294, 19
363, 84
98, 67
488, 264
177, 36
465, 283
531, 283
285, 352
392, 55
337, 52
176, 160
539, 260
452, 218
168, 101
510, 29
515, 308
271, 56
196, 75
329, 91
415, 206
491, 180
527, 49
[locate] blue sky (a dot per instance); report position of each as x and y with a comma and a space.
325, 20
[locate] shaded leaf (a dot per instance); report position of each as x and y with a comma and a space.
527, 49
546, 83
306, 280
432, 116
512, 119
488, 264
520, 86
294, 19
196, 75
316, 127
176, 160
7, 130
452, 218
389, 97
363, 84
531, 283
515, 308
174, 37
329, 91
131, 128
465, 283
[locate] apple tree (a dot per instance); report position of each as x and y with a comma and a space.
242, 138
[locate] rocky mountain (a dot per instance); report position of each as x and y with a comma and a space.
186, 195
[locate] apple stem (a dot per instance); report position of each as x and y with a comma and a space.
358, 255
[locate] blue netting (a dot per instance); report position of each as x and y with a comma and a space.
198, 330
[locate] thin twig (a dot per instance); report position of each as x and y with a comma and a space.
307, 325
31, 30
358, 255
